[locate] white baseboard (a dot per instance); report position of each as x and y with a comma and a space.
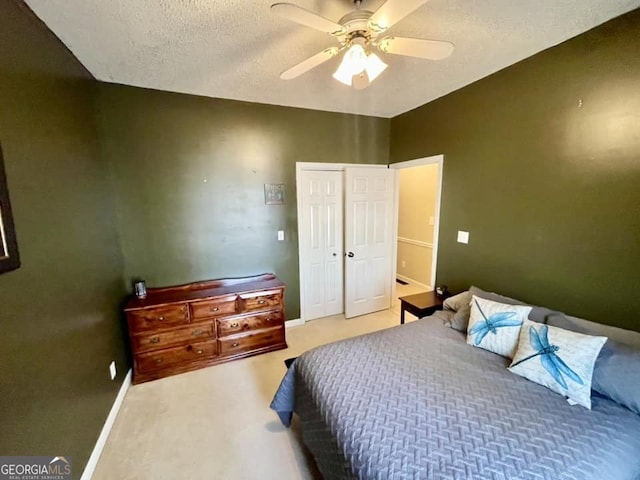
414, 282
106, 429
294, 323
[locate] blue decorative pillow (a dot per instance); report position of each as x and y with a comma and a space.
495, 326
617, 371
558, 359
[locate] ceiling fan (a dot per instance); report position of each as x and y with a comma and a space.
359, 33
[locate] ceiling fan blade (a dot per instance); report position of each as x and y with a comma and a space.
391, 12
304, 17
309, 63
415, 47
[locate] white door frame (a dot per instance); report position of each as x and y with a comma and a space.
314, 166
435, 159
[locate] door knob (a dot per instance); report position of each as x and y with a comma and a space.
334, 254
350, 254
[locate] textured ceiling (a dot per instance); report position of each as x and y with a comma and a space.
236, 49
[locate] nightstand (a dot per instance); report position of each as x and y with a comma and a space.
420, 304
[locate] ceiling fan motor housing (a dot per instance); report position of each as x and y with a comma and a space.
356, 26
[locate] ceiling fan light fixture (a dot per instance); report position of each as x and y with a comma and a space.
348, 71
356, 58
375, 66
354, 62
343, 73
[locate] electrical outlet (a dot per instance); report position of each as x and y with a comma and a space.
404, 264
280, 235
112, 369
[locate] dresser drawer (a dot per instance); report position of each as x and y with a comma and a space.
230, 326
159, 317
230, 346
167, 338
214, 308
155, 360
260, 300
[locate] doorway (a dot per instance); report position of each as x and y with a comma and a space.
346, 238
419, 186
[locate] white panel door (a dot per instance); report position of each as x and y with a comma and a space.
369, 197
321, 241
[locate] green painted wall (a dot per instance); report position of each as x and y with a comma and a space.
190, 173
59, 320
542, 167
169, 187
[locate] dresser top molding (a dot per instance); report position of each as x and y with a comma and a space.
204, 290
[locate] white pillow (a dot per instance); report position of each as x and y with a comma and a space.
495, 326
558, 359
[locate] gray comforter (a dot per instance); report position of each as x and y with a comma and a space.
417, 402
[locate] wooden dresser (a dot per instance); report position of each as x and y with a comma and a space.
186, 327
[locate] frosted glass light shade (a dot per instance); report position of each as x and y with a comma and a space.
343, 74
356, 62
374, 67
356, 57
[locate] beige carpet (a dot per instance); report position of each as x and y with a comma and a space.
216, 423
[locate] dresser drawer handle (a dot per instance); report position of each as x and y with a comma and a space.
215, 309
268, 319
235, 344
200, 351
197, 333
160, 318
234, 325
158, 360
262, 302
154, 340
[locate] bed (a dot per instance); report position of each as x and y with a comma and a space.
417, 402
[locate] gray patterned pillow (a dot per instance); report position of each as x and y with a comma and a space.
444, 315
460, 320
457, 302
617, 374
460, 305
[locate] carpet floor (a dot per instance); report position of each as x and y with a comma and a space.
215, 423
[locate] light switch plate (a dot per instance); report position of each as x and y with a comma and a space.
463, 237
280, 235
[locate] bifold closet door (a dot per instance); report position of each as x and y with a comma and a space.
322, 242
369, 201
